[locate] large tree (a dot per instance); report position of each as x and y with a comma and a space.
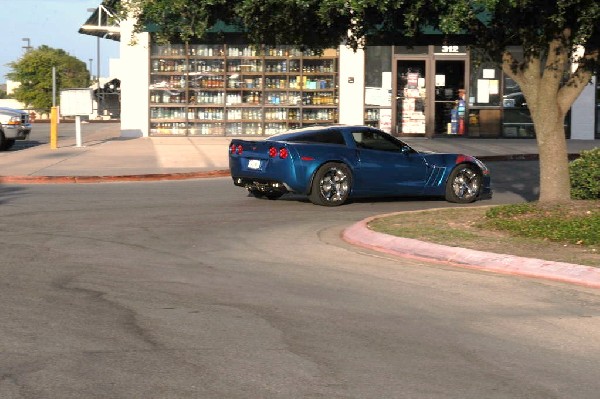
559, 44
34, 72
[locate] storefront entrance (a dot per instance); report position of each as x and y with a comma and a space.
430, 95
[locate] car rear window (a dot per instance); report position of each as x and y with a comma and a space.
321, 136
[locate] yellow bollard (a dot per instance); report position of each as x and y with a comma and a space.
53, 128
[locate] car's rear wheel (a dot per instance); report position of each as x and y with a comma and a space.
331, 185
464, 184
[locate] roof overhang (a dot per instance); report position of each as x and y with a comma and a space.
102, 23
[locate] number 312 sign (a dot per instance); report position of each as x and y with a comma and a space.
450, 49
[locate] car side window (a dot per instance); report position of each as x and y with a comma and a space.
322, 137
374, 140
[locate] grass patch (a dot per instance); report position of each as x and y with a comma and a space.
577, 222
560, 232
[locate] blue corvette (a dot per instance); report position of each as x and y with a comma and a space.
332, 164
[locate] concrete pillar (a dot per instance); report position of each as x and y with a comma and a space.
352, 84
135, 71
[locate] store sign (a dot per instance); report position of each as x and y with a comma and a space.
450, 49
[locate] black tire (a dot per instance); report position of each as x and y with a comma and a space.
464, 184
2, 141
8, 143
331, 185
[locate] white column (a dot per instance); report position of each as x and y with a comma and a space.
135, 71
352, 86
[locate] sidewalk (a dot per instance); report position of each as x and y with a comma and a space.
105, 157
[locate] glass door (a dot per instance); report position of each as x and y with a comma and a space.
411, 96
450, 105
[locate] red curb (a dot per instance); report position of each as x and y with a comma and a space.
359, 234
111, 179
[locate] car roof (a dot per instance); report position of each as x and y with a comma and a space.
315, 128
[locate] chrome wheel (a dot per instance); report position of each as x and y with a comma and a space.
332, 185
464, 185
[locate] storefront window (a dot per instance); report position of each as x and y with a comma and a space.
517, 119
485, 85
233, 89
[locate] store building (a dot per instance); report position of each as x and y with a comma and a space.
233, 89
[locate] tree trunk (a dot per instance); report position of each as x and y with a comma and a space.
555, 184
548, 120
548, 101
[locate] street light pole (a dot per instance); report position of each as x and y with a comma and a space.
91, 74
99, 10
98, 61
28, 47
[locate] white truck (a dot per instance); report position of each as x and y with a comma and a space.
14, 125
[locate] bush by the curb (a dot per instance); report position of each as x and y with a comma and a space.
585, 175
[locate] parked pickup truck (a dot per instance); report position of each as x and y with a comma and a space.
14, 125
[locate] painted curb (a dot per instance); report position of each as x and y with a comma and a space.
111, 179
359, 234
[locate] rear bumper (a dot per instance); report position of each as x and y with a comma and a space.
262, 185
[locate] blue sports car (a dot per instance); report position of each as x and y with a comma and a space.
332, 164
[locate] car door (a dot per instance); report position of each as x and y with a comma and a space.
386, 165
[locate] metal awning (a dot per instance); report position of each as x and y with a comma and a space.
102, 23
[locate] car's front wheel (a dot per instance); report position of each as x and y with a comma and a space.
464, 184
331, 185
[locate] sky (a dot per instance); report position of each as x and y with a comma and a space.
54, 23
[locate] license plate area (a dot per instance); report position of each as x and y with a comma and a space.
254, 164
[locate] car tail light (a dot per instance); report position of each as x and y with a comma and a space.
282, 152
239, 149
232, 149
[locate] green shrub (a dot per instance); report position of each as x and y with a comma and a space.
585, 175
